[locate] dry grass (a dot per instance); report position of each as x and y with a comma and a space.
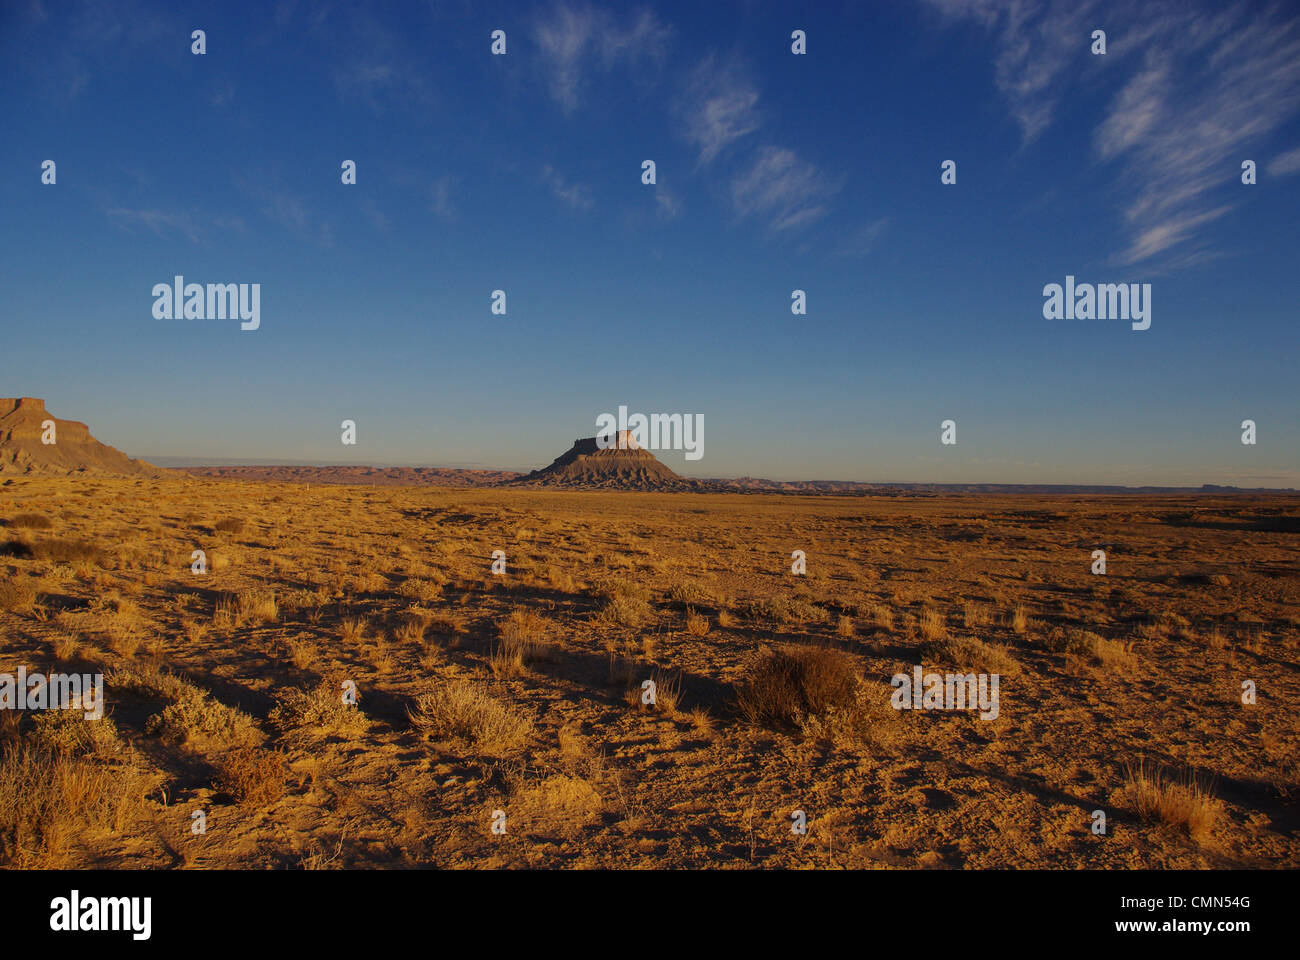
458, 710
50, 800
697, 625
611, 589
1183, 804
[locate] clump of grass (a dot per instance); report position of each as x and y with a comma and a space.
525, 625
353, 629
1019, 619
792, 682
558, 805
932, 624
882, 616
1085, 643
252, 775
257, 605
701, 720
616, 589
67, 647
624, 611
844, 626
1183, 804
49, 798
685, 593
149, 681
668, 692
974, 615
457, 710
697, 625
523, 642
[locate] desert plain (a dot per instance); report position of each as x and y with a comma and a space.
500, 719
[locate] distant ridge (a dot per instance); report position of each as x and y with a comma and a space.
354, 474
74, 450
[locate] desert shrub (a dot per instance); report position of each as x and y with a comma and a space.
793, 682
30, 521
252, 775
149, 681
969, 654
17, 596
196, 713
69, 731
685, 593
618, 588
320, 707
457, 710
422, 591
624, 611
68, 551
786, 610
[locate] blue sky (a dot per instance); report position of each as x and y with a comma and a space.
775, 172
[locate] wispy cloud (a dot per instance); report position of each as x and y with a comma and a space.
1038, 43
1197, 90
668, 206
440, 201
375, 68
864, 240
1285, 164
190, 224
779, 186
576, 195
576, 40
719, 106
292, 213
160, 222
